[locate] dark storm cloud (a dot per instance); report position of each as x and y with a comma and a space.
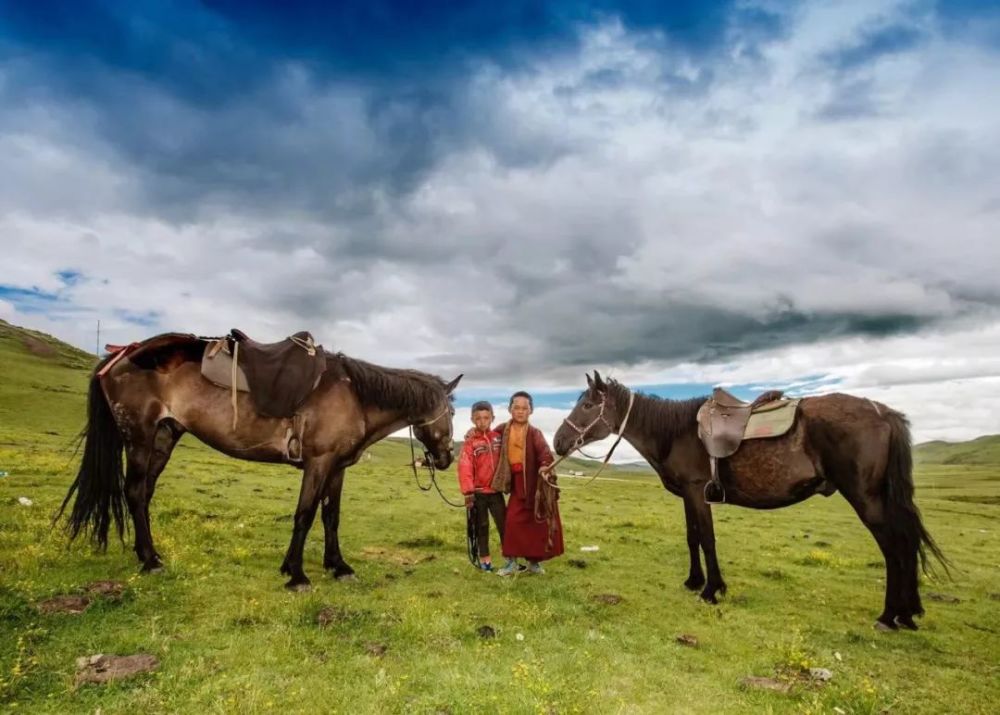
305, 106
601, 324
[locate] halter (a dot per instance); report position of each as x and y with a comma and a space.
428, 460
581, 438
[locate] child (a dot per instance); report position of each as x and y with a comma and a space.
478, 462
523, 455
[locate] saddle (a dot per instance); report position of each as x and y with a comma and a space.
724, 421
279, 376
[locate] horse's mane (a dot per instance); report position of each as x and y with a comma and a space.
656, 415
390, 388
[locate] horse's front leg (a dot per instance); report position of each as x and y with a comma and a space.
696, 577
314, 476
332, 558
706, 535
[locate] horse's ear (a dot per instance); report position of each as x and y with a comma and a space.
598, 382
590, 381
450, 387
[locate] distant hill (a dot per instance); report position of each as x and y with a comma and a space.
982, 450
43, 383
47, 349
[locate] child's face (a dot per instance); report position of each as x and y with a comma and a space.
520, 409
482, 419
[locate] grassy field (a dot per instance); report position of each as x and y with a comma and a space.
805, 585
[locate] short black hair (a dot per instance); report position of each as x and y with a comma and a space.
521, 393
481, 405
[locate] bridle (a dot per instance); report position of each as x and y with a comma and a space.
581, 438
428, 459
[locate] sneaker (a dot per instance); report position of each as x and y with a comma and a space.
485, 566
535, 567
510, 568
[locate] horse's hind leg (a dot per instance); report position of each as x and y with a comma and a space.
872, 513
890, 611
333, 560
145, 462
909, 589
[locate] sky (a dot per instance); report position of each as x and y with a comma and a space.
756, 194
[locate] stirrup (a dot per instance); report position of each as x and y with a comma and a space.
714, 482
718, 488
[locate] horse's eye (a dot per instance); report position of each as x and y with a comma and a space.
588, 405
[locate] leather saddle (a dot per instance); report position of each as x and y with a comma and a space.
279, 376
725, 421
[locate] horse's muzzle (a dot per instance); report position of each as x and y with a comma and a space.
443, 461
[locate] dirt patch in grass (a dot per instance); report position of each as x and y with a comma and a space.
754, 682
422, 542
64, 604
943, 598
400, 557
338, 615
111, 590
611, 599
105, 668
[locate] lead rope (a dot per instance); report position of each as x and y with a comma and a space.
429, 464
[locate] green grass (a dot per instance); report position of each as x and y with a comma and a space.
805, 585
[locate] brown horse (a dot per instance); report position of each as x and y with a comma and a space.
143, 405
838, 443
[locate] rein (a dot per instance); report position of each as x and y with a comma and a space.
581, 440
428, 463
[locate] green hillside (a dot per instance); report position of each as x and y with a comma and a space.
43, 383
981, 451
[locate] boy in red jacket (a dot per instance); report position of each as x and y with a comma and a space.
478, 462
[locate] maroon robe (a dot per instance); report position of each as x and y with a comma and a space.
525, 536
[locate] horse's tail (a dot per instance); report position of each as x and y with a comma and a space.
902, 514
100, 484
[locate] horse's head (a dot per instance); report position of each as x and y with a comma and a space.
435, 432
593, 417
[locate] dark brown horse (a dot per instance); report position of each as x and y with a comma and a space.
143, 405
838, 443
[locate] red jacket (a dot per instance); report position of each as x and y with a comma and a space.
478, 462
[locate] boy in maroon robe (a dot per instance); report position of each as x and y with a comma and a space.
533, 530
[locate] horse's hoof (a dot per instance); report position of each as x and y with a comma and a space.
907, 622
708, 597
884, 627
299, 586
152, 568
694, 584
345, 577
